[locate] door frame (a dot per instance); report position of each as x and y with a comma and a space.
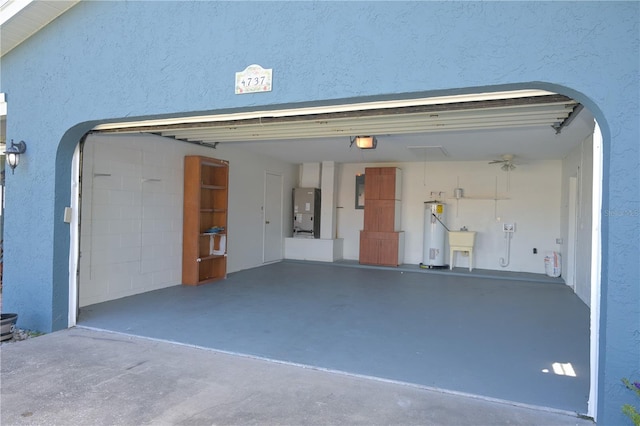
596, 237
74, 234
596, 270
572, 234
281, 217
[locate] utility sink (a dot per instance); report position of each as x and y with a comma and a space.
462, 238
461, 241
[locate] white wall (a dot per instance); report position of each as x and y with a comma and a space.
131, 225
579, 165
533, 192
131, 237
246, 198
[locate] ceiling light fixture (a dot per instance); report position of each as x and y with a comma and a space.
507, 162
507, 166
365, 142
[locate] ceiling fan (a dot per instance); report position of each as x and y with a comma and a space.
507, 162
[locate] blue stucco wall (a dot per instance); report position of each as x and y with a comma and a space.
108, 60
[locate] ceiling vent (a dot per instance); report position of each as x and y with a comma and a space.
435, 152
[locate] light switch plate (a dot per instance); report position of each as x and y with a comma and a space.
67, 215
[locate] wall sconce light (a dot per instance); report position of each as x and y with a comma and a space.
365, 142
13, 154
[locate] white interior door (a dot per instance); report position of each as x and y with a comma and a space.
272, 240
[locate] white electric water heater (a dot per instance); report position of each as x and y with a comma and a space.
434, 234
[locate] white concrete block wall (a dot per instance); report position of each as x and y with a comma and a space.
131, 227
131, 216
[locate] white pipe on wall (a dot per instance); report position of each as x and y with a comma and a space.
507, 246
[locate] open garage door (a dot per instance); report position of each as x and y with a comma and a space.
454, 137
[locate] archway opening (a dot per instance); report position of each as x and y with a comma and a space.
571, 216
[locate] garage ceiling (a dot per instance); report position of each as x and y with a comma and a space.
454, 128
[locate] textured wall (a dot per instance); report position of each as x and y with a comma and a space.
104, 60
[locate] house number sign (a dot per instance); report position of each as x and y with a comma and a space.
253, 79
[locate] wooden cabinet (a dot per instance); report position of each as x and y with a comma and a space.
381, 241
204, 231
382, 215
382, 183
381, 248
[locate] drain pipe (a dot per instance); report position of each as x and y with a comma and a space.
507, 244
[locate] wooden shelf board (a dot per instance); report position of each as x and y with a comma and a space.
213, 256
211, 164
206, 281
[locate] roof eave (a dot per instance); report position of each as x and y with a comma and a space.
20, 19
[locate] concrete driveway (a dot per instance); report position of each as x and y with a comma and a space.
81, 376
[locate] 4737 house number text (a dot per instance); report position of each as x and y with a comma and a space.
252, 81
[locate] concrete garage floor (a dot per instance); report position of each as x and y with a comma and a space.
482, 336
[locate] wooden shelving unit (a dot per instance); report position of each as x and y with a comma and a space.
381, 241
204, 232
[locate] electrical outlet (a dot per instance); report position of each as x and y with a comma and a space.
559, 241
509, 227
